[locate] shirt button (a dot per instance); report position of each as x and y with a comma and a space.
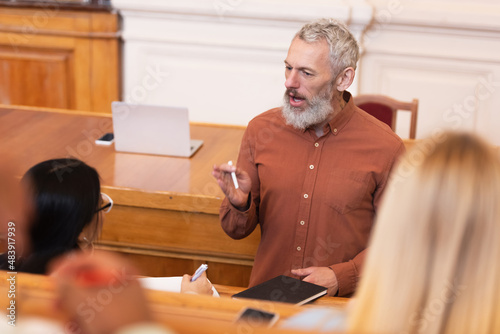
316, 144
298, 248
311, 167
335, 130
306, 195
302, 222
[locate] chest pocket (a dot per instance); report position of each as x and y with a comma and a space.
346, 189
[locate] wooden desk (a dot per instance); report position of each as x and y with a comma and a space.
183, 313
165, 216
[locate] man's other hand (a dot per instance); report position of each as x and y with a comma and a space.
323, 276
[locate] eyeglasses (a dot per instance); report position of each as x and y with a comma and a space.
108, 203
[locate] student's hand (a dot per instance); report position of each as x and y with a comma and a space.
323, 276
201, 286
99, 293
237, 197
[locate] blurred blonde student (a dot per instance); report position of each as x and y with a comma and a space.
433, 264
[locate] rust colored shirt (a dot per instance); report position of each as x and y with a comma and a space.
314, 198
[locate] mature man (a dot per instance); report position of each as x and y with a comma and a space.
311, 173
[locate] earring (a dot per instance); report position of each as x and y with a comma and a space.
89, 243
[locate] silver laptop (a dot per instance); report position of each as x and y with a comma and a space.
152, 129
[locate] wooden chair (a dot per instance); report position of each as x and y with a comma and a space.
386, 108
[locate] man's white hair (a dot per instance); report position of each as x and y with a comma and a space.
344, 50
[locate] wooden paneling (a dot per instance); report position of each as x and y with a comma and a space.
59, 58
173, 231
37, 77
150, 264
172, 243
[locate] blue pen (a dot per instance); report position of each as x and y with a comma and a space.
198, 272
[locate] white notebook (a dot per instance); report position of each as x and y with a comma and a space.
172, 284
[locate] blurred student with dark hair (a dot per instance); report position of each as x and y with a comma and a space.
67, 204
67, 217
433, 264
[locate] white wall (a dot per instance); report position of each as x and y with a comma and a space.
445, 53
224, 58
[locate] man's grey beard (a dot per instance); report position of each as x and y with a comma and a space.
317, 111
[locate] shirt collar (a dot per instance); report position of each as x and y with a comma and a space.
340, 120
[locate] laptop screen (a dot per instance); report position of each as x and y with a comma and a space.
150, 129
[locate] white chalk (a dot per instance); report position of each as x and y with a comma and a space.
233, 175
